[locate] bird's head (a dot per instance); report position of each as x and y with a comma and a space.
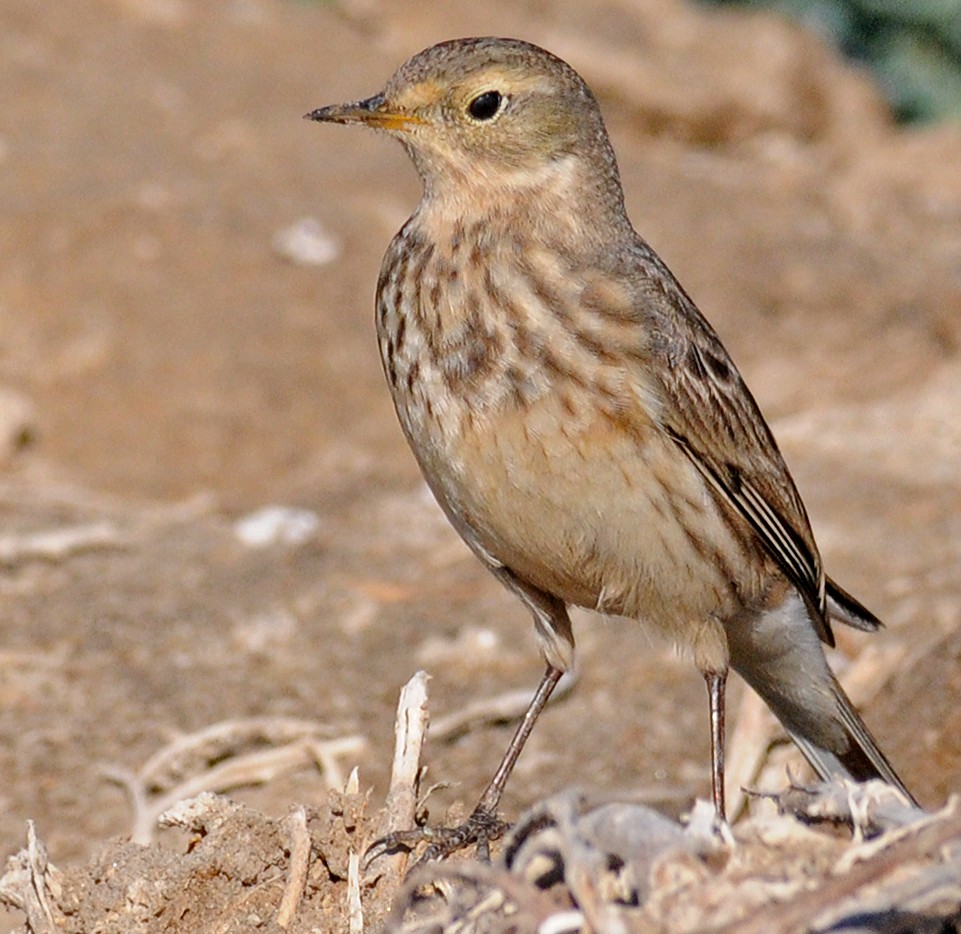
490, 115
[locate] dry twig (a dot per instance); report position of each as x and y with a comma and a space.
183, 768
26, 882
297, 869
410, 729
53, 545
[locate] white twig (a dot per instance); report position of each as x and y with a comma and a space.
355, 909
56, 544
400, 808
297, 870
410, 728
182, 768
164, 767
25, 883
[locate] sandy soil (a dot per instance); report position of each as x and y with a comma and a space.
168, 367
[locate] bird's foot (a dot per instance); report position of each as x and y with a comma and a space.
480, 830
706, 823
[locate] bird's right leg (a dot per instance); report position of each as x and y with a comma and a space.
484, 825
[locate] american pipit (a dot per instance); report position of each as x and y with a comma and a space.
577, 418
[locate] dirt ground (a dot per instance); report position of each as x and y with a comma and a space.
173, 360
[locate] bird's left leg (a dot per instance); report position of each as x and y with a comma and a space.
712, 657
716, 682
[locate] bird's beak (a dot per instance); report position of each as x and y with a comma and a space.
372, 112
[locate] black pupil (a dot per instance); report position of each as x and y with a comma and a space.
485, 105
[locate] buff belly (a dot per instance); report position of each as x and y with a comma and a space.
604, 519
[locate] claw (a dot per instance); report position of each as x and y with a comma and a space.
391, 842
480, 829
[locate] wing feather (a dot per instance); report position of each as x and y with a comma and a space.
712, 416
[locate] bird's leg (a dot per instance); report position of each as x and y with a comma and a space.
483, 825
716, 681
492, 795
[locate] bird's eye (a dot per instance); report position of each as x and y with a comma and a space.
486, 105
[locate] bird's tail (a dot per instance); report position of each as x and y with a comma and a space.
861, 761
779, 654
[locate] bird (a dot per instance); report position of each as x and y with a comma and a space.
578, 419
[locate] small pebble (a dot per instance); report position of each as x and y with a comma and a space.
275, 525
307, 243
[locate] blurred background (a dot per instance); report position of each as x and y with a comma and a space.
912, 46
187, 270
